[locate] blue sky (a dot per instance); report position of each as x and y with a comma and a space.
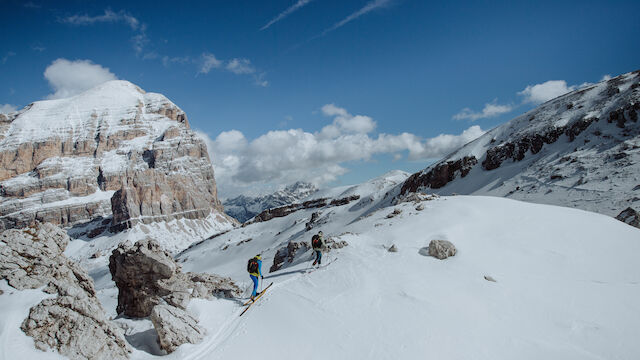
321, 90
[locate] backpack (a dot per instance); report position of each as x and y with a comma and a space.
316, 242
252, 265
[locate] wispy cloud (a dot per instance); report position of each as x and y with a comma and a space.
490, 110
31, 5
38, 48
285, 13
208, 62
108, 16
370, 6
240, 66
7, 56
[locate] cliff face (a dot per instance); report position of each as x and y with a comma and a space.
114, 150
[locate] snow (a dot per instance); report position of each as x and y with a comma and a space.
15, 305
568, 285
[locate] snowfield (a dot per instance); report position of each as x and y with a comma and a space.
567, 285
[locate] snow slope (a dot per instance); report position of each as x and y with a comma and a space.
568, 285
594, 163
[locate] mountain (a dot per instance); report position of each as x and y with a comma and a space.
579, 150
528, 281
244, 208
110, 159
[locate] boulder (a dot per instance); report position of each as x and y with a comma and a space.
175, 327
146, 275
72, 323
393, 248
441, 249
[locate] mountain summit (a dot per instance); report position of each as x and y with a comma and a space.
114, 153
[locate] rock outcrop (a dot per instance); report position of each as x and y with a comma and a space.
73, 322
147, 276
175, 327
630, 216
113, 150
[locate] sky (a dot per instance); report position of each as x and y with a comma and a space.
327, 91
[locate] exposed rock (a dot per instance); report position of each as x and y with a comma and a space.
395, 213
489, 278
73, 322
420, 207
289, 209
147, 276
175, 327
439, 175
393, 248
441, 249
630, 216
314, 217
287, 254
114, 137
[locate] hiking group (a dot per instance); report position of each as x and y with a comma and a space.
254, 266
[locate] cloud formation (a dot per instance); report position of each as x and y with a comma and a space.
7, 108
299, 4
490, 110
281, 157
7, 56
209, 61
109, 16
68, 78
240, 66
539, 93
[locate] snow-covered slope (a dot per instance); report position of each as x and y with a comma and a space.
579, 150
243, 208
567, 284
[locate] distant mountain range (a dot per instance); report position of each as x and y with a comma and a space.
244, 208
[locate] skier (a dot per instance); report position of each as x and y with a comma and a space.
254, 267
317, 243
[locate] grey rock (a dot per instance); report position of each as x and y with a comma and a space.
175, 327
393, 248
395, 213
630, 216
73, 322
420, 207
146, 275
441, 249
489, 278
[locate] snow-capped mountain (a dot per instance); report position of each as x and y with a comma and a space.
115, 157
579, 150
244, 208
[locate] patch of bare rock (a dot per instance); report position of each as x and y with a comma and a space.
73, 322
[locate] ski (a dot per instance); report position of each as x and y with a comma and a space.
251, 302
320, 267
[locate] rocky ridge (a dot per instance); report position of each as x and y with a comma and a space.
580, 150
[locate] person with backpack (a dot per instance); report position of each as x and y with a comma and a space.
254, 267
317, 243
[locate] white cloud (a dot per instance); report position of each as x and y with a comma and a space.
7, 108
490, 110
287, 12
240, 66
370, 6
108, 16
539, 93
209, 61
281, 157
68, 78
